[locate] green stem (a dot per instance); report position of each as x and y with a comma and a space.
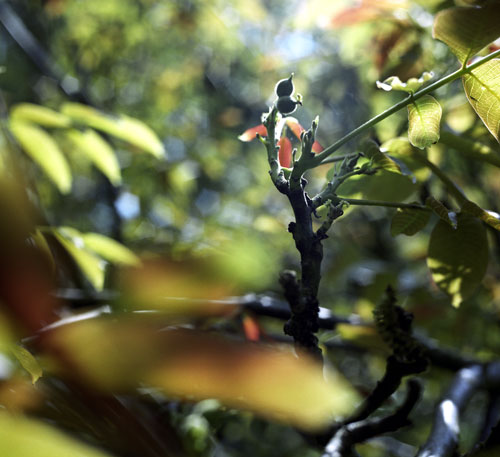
356, 201
338, 158
409, 99
453, 189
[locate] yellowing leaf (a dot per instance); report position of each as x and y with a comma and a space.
490, 219
409, 221
98, 151
482, 86
90, 265
23, 437
40, 115
28, 362
458, 258
424, 117
126, 128
270, 381
109, 249
40, 146
467, 30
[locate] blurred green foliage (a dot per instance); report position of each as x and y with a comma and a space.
199, 73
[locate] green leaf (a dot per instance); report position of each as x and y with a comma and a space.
424, 117
40, 146
40, 115
467, 30
450, 217
470, 148
412, 85
126, 128
482, 86
90, 265
409, 221
401, 149
458, 258
110, 249
98, 151
379, 158
487, 217
28, 362
23, 437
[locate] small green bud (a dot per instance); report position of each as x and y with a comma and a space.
287, 105
284, 87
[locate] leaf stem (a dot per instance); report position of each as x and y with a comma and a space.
355, 201
394, 108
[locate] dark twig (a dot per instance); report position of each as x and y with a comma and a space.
347, 436
263, 305
443, 440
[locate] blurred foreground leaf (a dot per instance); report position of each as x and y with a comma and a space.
22, 437
98, 151
40, 146
109, 249
90, 265
126, 128
271, 381
458, 257
28, 362
40, 115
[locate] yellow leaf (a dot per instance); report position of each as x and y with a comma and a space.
98, 151
40, 115
126, 128
40, 146
23, 437
28, 362
270, 381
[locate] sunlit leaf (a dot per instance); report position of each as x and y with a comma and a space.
412, 85
40, 146
450, 217
470, 148
379, 158
482, 86
273, 382
492, 219
409, 221
424, 117
98, 151
126, 128
251, 133
23, 437
109, 249
458, 257
40, 115
467, 30
28, 362
90, 265
285, 152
